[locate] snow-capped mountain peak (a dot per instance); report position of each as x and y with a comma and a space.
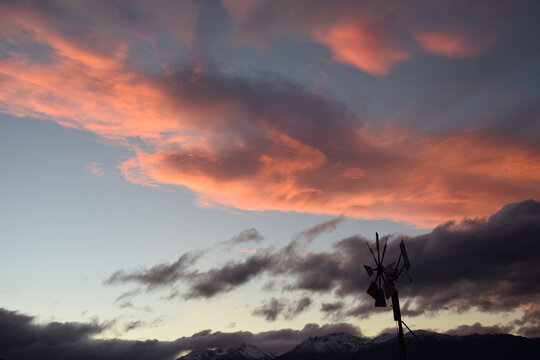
239, 352
247, 351
340, 346
207, 354
336, 343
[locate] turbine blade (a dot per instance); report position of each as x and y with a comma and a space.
368, 270
405, 256
384, 251
371, 251
372, 290
398, 260
388, 289
378, 253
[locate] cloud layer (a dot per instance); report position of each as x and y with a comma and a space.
273, 308
21, 337
273, 143
246, 236
483, 264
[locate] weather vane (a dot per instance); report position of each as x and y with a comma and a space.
383, 287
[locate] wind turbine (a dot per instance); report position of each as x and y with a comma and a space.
383, 286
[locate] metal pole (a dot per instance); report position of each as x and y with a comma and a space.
401, 342
397, 317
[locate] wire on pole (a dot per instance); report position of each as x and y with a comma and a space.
420, 341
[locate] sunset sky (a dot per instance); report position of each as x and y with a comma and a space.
171, 168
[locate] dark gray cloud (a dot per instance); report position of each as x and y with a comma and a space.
229, 276
21, 338
200, 284
19, 331
331, 308
271, 309
315, 271
327, 226
248, 235
302, 305
133, 325
364, 310
159, 275
485, 264
529, 324
125, 304
274, 307
480, 329
128, 295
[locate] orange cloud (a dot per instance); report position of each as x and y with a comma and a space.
85, 95
451, 43
253, 251
238, 9
444, 176
95, 169
366, 48
265, 144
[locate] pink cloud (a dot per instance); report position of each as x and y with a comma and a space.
366, 48
251, 251
444, 176
238, 9
95, 169
456, 44
262, 144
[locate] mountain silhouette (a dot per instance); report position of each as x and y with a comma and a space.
345, 346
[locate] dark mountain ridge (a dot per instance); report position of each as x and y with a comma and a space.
345, 346
238, 352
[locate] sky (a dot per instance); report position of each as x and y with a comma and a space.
205, 172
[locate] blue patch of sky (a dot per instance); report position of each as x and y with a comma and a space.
165, 53
37, 52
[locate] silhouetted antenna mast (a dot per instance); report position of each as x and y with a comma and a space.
383, 287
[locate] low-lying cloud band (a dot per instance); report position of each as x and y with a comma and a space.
484, 264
